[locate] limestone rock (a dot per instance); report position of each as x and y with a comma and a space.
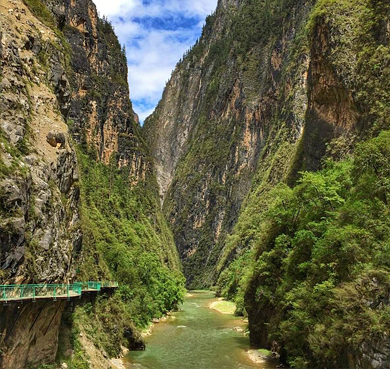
56, 139
60, 79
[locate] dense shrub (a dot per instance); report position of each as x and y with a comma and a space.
322, 259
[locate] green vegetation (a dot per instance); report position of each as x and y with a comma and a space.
258, 21
93, 321
264, 352
309, 263
127, 239
361, 53
322, 259
118, 61
39, 9
233, 280
69, 342
237, 257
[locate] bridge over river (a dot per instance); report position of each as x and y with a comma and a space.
33, 292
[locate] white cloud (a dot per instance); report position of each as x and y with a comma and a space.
155, 7
115, 7
156, 35
144, 112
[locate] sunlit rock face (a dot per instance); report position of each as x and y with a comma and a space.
63, 83
40, 234
100, 108
39, 193
239, 104
271, 89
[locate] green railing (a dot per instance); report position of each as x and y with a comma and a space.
109, 284
94, 285
41, 291
33, 291
90, 285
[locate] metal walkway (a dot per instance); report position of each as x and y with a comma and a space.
33, 292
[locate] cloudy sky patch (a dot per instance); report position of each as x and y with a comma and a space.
156, 34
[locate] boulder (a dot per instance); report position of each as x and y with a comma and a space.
56, 139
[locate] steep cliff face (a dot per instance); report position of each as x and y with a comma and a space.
237, 104
347, 80
274, 88
30, 333
78, 196
254, 95
100, 111
39, 193
40, 222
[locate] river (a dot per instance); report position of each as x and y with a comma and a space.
196, 337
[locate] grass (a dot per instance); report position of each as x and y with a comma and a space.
264, 352
41, 12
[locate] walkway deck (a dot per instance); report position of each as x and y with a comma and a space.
33, 292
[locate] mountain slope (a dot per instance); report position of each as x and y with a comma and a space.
273, 91
78, 194
237, 101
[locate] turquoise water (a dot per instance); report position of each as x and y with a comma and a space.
196, 337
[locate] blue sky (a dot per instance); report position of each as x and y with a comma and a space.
156, 34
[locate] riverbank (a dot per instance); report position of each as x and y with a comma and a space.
259, 356
223, 306
118, 364
147, 331
121, 363
204, 333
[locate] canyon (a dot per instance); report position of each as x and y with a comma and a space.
263, 172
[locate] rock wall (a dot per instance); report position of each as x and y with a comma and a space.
272, 88
237, 98
30, 333
63, 86
39, 192
40, 232
100, 111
